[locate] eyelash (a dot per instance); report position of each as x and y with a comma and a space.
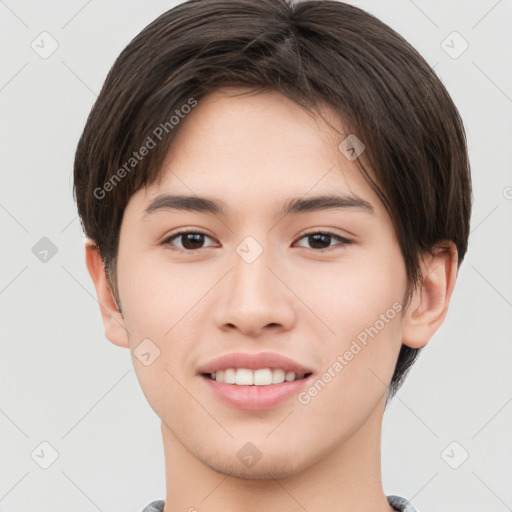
167, 241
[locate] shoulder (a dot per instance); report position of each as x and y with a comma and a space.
154, 506
401, 504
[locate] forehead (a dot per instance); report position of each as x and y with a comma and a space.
257, 149
237, 123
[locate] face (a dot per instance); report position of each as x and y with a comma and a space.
253, 286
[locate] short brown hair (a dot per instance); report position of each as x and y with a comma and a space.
314, 52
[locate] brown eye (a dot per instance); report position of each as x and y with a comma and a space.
190, 240
321, 241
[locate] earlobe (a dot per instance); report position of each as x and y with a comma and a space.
429, 304
113, 321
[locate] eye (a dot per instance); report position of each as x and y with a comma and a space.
320, 240
190, 241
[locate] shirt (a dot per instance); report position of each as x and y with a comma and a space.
398, 503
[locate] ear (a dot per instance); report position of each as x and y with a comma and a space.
429, 303
113, 322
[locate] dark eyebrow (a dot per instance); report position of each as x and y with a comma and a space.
185, 203
323, 202
291, 206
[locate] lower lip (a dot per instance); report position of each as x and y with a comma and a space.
255, 398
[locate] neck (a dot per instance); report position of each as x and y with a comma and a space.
346, 479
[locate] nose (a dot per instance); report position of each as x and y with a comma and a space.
254, 298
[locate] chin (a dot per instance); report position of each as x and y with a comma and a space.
272, 468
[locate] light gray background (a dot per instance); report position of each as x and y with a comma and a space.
62, 382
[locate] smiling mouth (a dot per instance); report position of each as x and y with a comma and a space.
260, 377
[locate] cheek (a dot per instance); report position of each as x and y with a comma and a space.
351, 295
360, 301
364, 311
156, 295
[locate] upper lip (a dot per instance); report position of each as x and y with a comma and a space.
270, 360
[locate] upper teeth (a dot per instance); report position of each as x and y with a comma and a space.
246, 377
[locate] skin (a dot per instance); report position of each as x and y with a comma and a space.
253, 153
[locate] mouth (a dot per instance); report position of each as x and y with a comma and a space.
254, 382
258, 377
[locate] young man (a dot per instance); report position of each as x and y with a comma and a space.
277, 199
